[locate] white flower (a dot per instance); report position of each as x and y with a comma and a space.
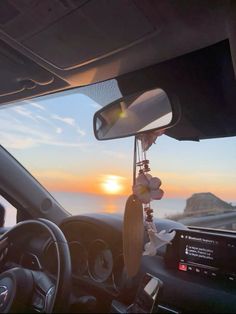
147, 188
157, 240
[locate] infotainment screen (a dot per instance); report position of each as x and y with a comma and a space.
199, 249
204, 253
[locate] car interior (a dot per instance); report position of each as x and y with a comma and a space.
116, 51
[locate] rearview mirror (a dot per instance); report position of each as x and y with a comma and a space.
138, 113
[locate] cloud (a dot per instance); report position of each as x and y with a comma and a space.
114, 154
41, 129
23, 112
81, 132
20, 136
58, 130
103, 177
67, 120
63, 143
55, 174
17, 128
43, 119
96, 106
16, 142
35, 105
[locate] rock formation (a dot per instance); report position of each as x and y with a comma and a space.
204, 202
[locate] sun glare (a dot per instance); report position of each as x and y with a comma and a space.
112, 185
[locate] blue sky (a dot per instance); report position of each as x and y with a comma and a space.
53, 138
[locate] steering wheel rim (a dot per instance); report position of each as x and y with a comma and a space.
57, 299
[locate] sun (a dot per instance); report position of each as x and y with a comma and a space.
111, 185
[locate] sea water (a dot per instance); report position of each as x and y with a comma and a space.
84, 203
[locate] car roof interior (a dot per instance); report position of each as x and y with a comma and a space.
50, 46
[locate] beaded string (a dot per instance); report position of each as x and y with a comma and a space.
144, 167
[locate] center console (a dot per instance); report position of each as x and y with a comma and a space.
146, 300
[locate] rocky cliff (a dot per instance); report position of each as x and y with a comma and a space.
204, 202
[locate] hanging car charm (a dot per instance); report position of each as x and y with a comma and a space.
145, 189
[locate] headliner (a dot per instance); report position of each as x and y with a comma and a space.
188, 49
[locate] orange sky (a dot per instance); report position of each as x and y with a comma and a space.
68, 182
173, 184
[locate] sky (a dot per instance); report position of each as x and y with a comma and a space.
53, 138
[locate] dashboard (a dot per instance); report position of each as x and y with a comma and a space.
197, 270
96, 252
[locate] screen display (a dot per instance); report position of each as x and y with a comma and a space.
146, 298
206, 253
199, 250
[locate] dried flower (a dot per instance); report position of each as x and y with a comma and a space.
147, 188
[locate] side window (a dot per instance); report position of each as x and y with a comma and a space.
7, 213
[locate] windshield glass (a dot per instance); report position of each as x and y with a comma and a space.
53, 138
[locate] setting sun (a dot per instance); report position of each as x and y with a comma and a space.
112, 185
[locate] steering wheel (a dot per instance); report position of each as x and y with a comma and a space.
24, 290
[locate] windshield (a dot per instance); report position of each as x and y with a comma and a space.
53, 138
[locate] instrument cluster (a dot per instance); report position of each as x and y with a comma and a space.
97, 263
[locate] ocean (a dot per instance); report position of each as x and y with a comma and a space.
83, 203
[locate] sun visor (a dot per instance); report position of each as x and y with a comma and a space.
21, 77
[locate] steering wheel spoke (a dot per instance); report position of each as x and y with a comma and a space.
44, 291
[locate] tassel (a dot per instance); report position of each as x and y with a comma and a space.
133, 235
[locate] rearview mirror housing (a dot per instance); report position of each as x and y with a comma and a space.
135, 114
